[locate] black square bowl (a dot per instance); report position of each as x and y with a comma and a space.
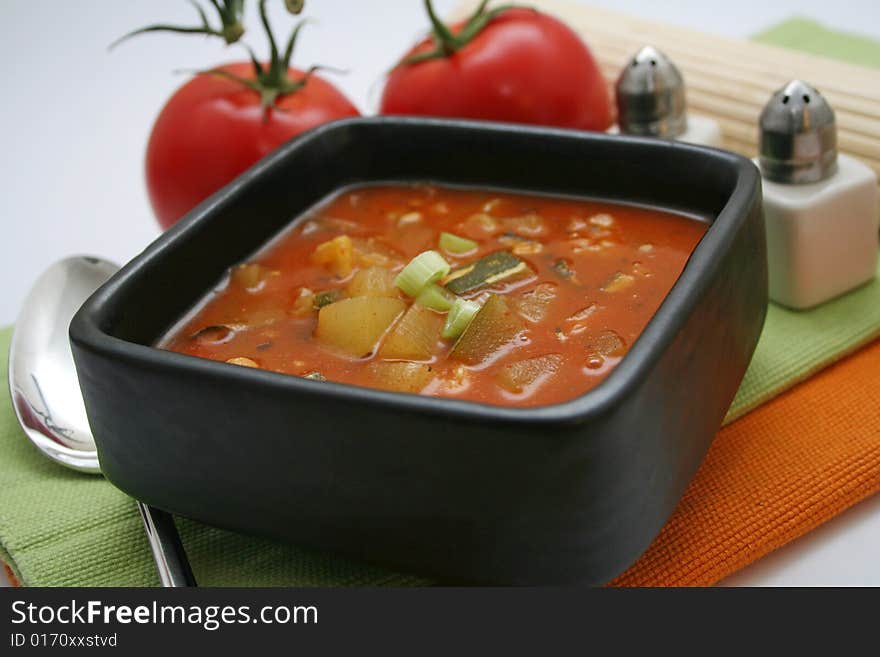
465, 492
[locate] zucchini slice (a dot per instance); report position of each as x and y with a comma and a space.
492, 328
488, 270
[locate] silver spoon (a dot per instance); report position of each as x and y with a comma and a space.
47, 398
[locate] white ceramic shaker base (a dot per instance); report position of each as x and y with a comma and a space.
701, 130
822, 238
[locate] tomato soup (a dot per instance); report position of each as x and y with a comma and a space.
488, 296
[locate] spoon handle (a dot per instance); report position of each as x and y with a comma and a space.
168, 552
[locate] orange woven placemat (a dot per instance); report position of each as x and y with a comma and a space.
772, 476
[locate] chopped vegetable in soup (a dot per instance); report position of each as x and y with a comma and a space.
487, 296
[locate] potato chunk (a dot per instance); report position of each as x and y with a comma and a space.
580, 321
371, 252
373, 282
337, 255
251, 275
303, 303
401, 376
618, 282
607, 343
478, 226
355, 325
493, 327
528, 225
519, 245
518, 376
532, 305
415, 336
243, 361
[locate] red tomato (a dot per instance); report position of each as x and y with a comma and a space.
523, 67
213, 128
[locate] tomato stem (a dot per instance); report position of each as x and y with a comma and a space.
443, 36
231, 28
446, 42
270, 81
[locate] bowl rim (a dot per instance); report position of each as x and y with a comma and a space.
86, 332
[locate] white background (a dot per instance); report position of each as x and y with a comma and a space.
74, 119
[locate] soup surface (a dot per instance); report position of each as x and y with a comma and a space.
488, 296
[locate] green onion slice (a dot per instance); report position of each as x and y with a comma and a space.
436, 298
460, 316
426, 268
456, 245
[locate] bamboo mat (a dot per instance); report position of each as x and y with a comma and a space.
731, 79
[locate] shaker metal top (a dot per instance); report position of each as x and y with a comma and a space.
798, 136
650, 96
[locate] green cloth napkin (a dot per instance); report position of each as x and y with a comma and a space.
809, 36
795, 345
62, 528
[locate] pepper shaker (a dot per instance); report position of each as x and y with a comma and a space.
650, 96
820, 207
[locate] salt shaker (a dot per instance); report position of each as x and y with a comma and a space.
651, 102
820, 207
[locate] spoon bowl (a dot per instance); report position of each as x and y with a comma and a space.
42, 377
48, 402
